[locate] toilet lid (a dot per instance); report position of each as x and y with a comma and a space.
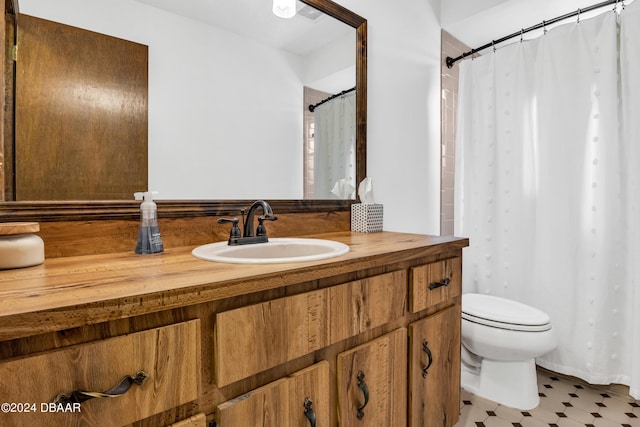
503, 313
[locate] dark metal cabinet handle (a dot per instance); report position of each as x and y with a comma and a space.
425, 348
79, 396
308, 412
437, 285
363, 386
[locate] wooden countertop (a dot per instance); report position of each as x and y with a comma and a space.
74, 291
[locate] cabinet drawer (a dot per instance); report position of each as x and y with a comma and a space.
169, 355
359, 306
434, 283
252, 339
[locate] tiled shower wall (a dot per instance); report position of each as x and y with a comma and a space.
452, 47
310, 96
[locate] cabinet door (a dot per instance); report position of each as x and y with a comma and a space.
199, 420
309, 396
434, 369
285, 402
265, 406
372, 382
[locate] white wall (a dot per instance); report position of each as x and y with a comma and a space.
403, 132
458, 10
332, 68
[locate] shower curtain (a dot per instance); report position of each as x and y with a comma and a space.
548, 187
334, 148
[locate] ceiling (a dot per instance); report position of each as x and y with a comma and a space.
254, 19
474, 22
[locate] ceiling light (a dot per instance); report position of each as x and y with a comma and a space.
284, 8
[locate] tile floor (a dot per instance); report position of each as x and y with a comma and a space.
564, 402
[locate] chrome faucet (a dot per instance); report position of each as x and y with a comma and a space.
248, 236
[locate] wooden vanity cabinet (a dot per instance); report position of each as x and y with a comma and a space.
372, 339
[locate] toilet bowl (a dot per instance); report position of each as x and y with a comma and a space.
500, 340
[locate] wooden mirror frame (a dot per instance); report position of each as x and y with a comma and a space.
125, 209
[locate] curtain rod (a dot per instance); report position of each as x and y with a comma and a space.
450, 61
344, 92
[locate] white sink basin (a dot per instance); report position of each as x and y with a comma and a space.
276, 250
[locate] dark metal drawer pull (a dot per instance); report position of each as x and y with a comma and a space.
308, 412
363, 386
425, 348
437, 285
79, 396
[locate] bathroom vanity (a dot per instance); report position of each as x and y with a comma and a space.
370, 338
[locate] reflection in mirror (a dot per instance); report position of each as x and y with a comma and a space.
228, 117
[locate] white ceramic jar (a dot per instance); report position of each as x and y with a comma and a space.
19, 247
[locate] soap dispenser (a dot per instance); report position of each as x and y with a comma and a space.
149, 240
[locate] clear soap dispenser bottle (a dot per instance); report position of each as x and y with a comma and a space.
149, 240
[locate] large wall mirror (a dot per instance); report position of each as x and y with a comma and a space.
228, 85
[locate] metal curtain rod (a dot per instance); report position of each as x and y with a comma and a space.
344, 92
450, 61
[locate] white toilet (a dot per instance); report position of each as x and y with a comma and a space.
500, 341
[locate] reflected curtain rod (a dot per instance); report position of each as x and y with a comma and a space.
450, 61
344, 92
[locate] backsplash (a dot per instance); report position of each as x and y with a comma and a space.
71, 238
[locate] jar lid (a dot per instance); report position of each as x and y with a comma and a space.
13, 228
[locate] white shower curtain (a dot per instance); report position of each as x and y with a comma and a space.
548, 188
334, 146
